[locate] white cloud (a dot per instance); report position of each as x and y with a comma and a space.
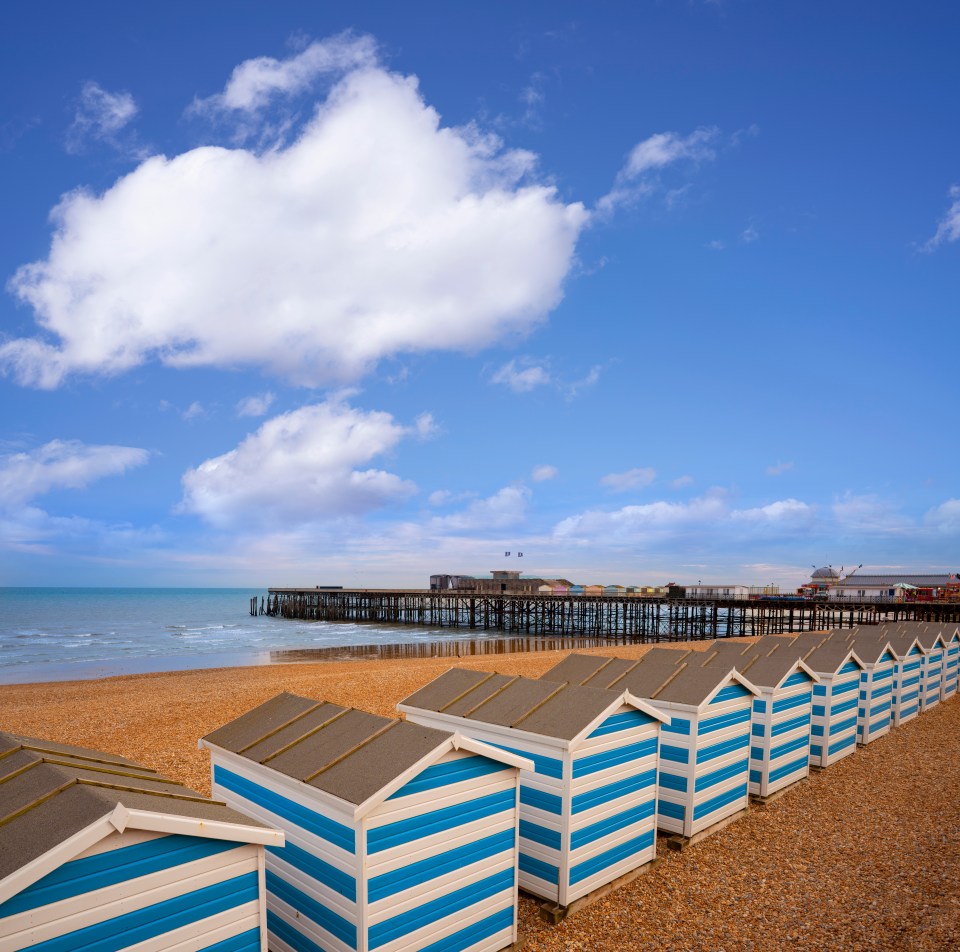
541, 474
716, 245
256, 81
61, 464
507, 507
196, 409
949, 227
783, 510
522, 378
255, 406
300, 467
630, 523
749, 234
100, 115
944, 518
584, 383
222, 257
869, 513
632, 479
637, 177
779, 468
681, 481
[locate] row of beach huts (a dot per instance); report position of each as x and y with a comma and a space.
339, 830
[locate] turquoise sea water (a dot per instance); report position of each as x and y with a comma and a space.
63, 633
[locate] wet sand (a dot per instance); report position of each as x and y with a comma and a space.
865, 855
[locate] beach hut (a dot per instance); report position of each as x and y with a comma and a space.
577, 590
907, 672
704, 754
951, 661
588, 806
874, 714
97, 852
833, 716
780, 721
398, 836
934, 647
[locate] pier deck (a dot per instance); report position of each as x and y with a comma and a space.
624, 618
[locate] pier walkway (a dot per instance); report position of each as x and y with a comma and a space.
625, 618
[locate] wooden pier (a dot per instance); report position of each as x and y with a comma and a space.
623, 618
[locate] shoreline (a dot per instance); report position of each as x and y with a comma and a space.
863, 855
452, 648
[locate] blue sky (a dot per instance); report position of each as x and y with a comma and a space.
351, 294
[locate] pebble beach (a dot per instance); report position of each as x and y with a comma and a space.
864, 855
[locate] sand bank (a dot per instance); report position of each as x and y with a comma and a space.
865, 855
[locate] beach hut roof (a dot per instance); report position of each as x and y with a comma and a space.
830, 657
58, 796
553, 709
729, 649
347, 753
672, 655
768, 671
871, 648
655, 676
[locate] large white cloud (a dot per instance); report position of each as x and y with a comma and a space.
61, 464
300, 467
376, 232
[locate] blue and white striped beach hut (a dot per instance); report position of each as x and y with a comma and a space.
398, 836
875, 712
951, 661
934, 647
907, 672
588, 806
99, 853
705, 749
833, 722
780, 722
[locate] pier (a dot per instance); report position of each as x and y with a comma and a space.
621, 618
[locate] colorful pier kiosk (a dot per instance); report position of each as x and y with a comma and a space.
588, 806
704, 754
97, 852
398, 836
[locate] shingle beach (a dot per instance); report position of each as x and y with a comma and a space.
864, 855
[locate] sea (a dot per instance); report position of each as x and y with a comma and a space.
65, 634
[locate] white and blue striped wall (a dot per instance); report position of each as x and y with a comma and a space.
931, 676
875, 710
704, 761
951, 665
780, 734
432, 867
154, 891
587, 809
833, 720
906, 685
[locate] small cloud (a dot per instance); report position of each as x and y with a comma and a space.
439, 497
632, 479
636, 179
681, 481
716, 245
749, 234
520, 378
949, 226
195, 410
944, 518
255, 406
425, 426
541, 474
100, 116
778, 468
584, 383
532, 97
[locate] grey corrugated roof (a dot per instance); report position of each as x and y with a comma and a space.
646, 679
575, 668
686, 683
869, 649
611, 672
50, 791
671, 655
828, 658
348, 753
550, 708
920, 581
767, 671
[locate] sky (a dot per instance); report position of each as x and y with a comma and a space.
351, 294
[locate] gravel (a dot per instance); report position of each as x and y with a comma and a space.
864, 855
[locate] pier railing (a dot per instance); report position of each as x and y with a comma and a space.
627, 617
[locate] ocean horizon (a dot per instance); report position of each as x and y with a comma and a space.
65, 633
